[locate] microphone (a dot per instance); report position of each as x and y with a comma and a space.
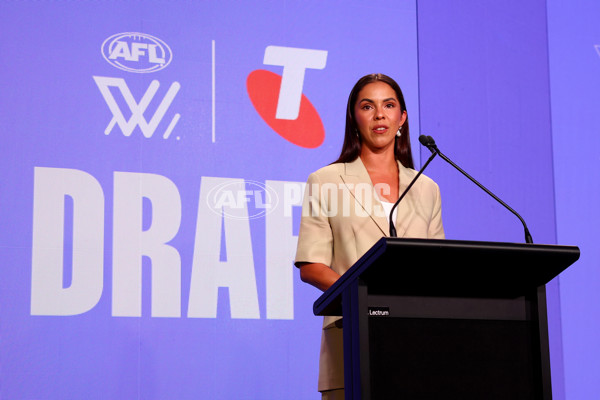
428, 142
423, 139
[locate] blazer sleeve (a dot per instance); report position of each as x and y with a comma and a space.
436, 228
315, 237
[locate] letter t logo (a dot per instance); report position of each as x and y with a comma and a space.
295, 62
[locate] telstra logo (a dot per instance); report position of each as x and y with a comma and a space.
279, 99
136, 52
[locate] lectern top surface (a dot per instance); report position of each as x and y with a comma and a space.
427, 267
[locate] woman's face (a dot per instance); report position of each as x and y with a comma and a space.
378, 116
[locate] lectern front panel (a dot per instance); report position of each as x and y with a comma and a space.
422, 358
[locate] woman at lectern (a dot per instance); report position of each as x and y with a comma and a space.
347, 204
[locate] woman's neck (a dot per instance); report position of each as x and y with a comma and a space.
383, 172
384, 161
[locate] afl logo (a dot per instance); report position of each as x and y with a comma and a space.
237, 199
136, 52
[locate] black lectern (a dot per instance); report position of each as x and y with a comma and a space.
447, 319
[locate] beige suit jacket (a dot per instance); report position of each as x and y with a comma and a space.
342, 217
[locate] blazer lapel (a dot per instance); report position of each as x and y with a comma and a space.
356, 176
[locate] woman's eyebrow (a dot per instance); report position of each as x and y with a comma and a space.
371, 101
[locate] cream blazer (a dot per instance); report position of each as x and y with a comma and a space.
342, 217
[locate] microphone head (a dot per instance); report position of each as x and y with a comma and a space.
424, 140
428, 142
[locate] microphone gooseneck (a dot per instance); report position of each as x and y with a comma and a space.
422, 138
428, 142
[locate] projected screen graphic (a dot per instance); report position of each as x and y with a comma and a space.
154, 160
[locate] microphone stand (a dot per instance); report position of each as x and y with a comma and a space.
433, 148
392, 226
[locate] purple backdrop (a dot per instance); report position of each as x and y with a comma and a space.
142, 146
182, 294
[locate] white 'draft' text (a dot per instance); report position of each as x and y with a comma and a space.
131, 242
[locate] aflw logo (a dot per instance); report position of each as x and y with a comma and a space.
279, 99
137, 109
137, 52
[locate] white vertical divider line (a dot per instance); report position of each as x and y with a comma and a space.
213, 92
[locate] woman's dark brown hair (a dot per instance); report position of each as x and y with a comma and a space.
352, 140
